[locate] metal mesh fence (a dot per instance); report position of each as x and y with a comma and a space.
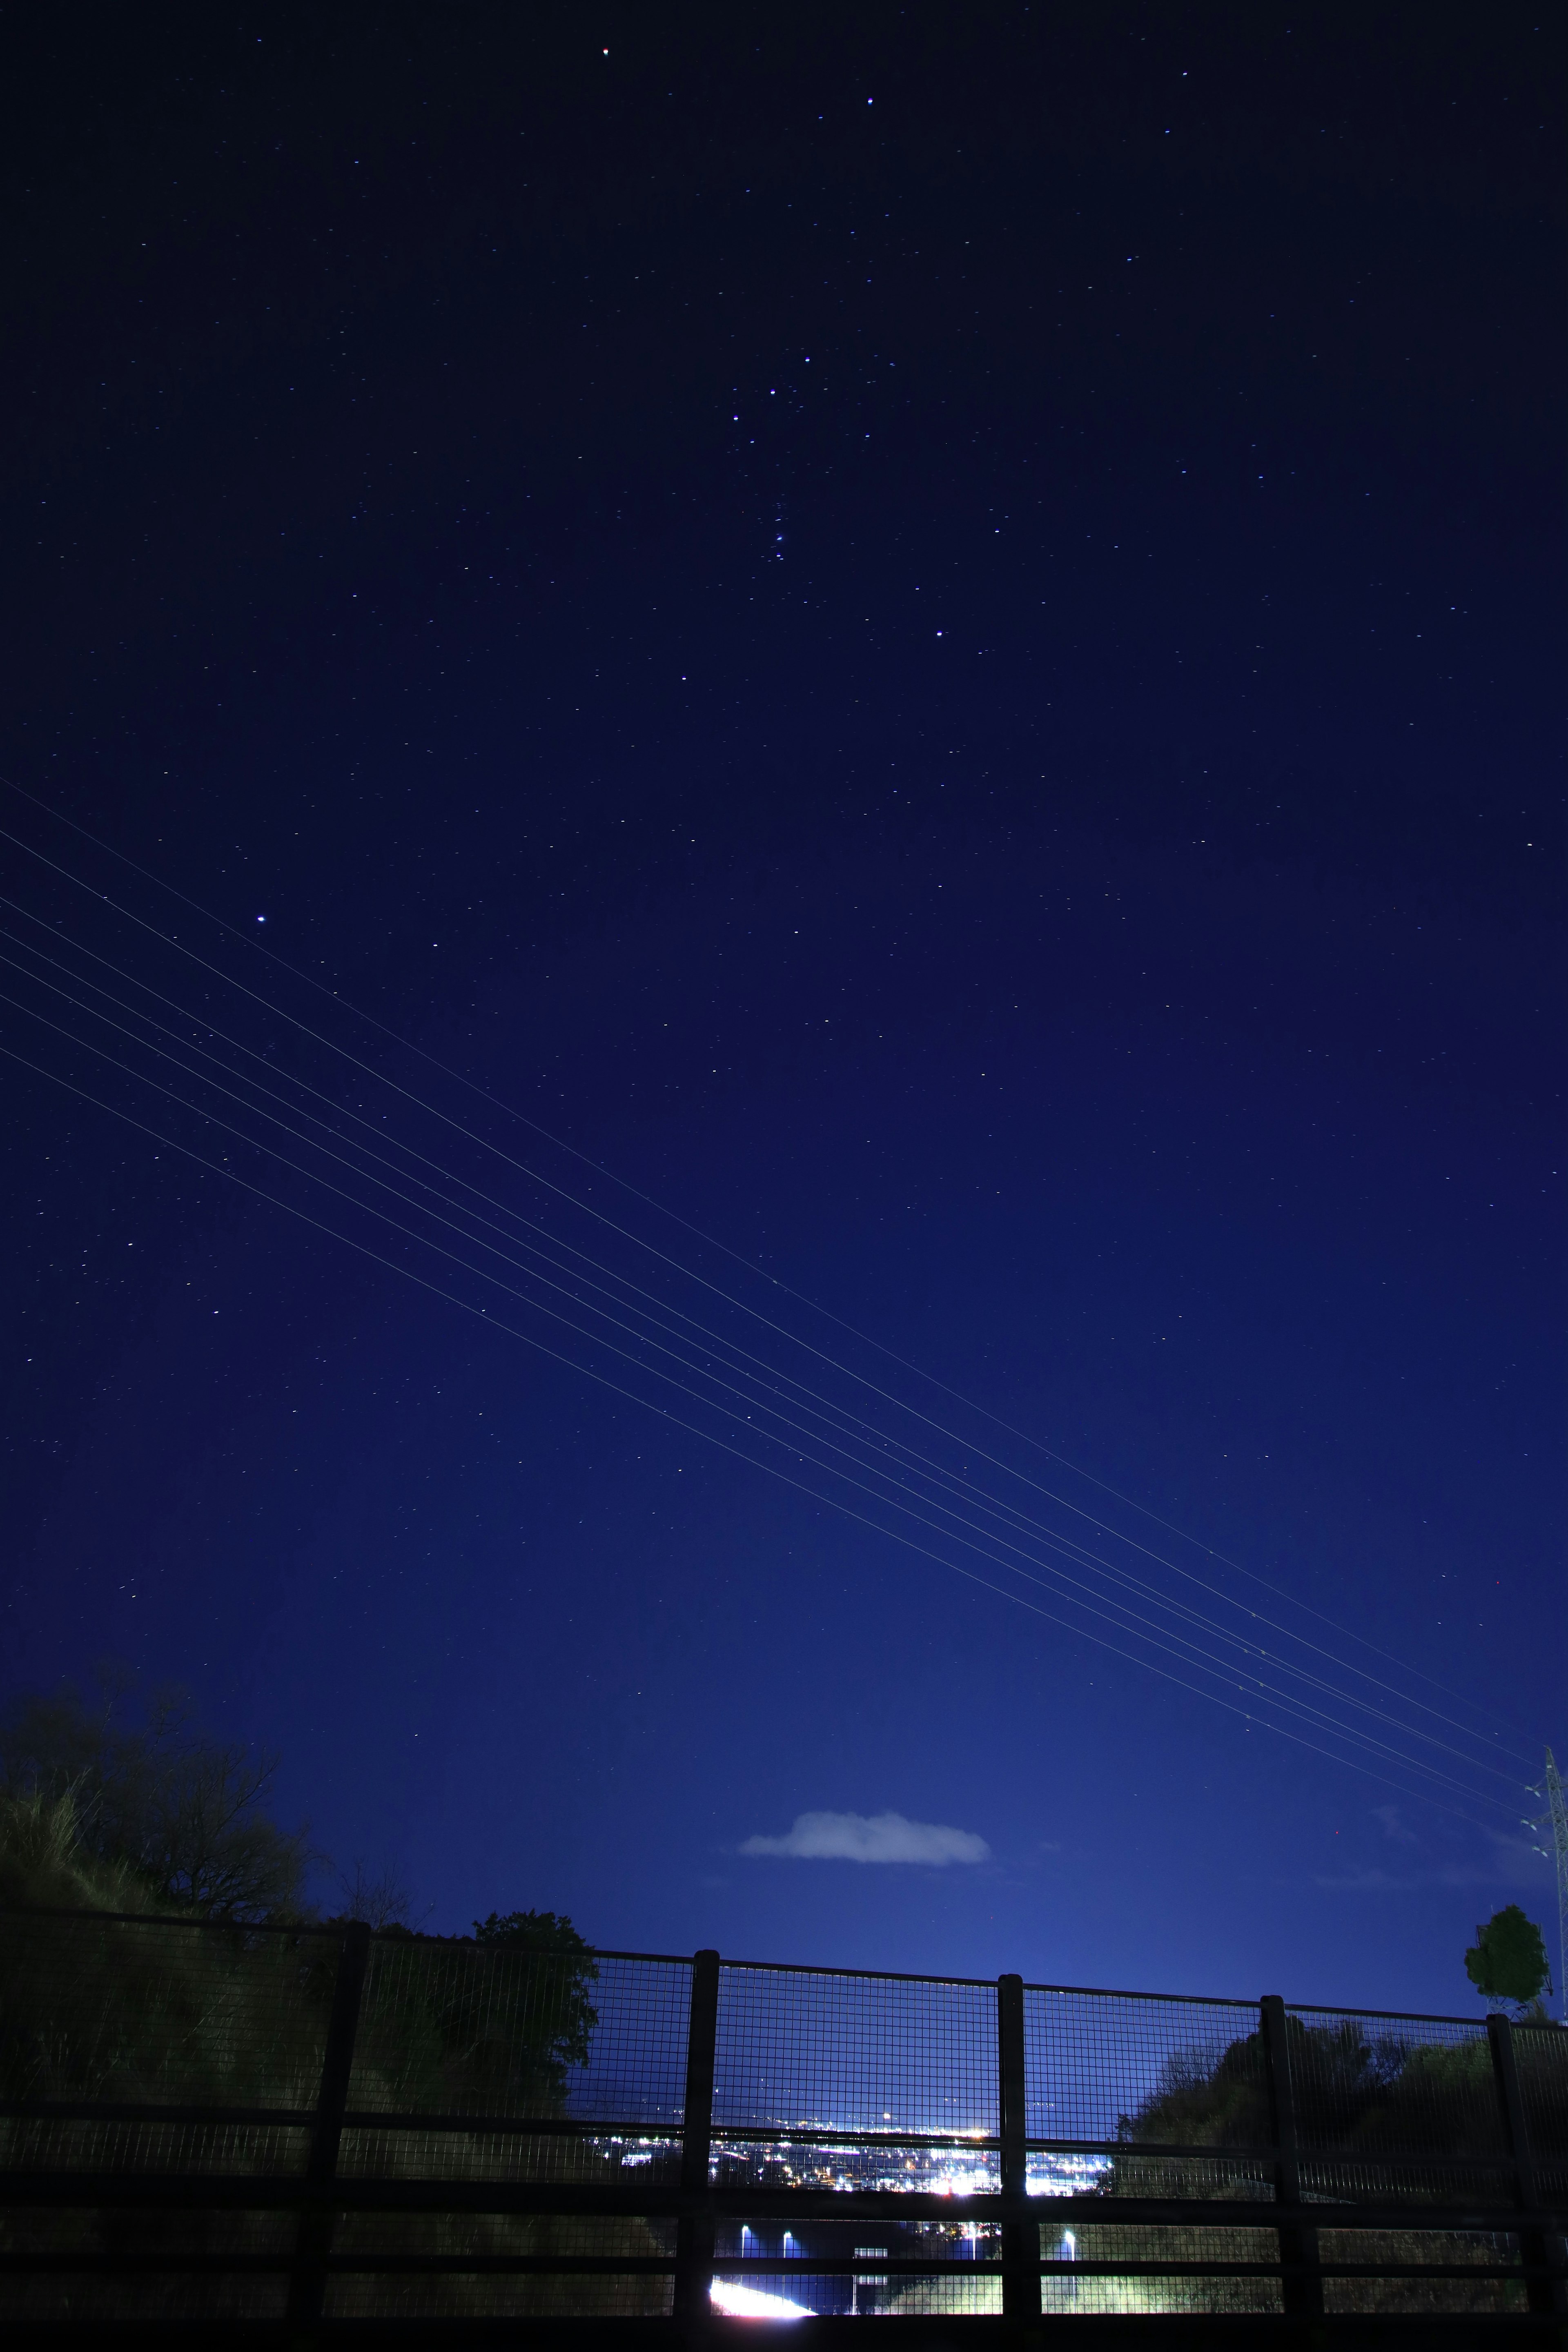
42, 2233
1363, 2084
455, 2028
869, 2268
154, 2298
1095, 2268
590, 2159
1433, 2251
155, 2012
841, 2165
108, 2266
800, 2289
549, 2077
818, 2050
1134, 2295
86, 2144
1388, 2181
377, 2260
1541, 2052
1131, 2068
485, 2294
1137, 2173
947, 2297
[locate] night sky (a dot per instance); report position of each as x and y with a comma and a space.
931, 637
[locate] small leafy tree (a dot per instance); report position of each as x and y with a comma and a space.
560, 1970
492, 2023
1508, 1959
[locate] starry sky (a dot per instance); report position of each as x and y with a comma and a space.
886, 680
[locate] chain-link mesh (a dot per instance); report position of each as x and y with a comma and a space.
472, 2029
1540, 2054
870, 2268
852, 2054
838, 2165
1387, 2180
367, 2153
1058, 2173
947, 2297
149, 2238
379, 2294
60, 2144
150, 2011
154, 2298
377, 2259
1248, 2180
798, 2289
1134, 2295
1363, 2084
1394, 2251
1121, 2068
72, 2252
565, 2072
1155, 2268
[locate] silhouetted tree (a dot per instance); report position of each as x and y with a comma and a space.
1508, 1959
183, 1811
558, 1969
378, 1899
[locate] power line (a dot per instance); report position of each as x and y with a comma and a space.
1118, 1613
1349, 1632
819, 1408
1249, 1715
535, 1176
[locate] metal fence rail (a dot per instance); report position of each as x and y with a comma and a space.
283, 2132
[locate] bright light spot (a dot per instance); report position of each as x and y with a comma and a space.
738, 2302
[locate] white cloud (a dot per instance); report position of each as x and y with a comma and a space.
871, 1837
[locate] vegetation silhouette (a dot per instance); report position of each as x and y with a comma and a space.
1508, 1959
184, 2001
1373, 2110
156, 1798
215, 1987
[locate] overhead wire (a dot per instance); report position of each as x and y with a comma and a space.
1249, 1715
509, 1112
536, 1176
1126, 1619
818, 1408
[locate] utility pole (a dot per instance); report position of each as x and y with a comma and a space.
1555, 1821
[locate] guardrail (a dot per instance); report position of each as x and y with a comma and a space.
290, 2134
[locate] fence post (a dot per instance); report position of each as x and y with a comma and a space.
1020, 2232
1302, 2289
1541, 2294
307, 2281
694, 2231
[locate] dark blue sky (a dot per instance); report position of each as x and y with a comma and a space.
938, 642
